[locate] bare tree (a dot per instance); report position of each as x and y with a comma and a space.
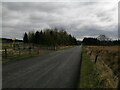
103, 38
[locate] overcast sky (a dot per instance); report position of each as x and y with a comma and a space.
81, 19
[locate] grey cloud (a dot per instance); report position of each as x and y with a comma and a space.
49, 7
96, 31
76, 18
104, 16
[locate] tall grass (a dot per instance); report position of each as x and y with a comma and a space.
108, 61
89, 77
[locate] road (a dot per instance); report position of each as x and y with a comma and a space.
59, 69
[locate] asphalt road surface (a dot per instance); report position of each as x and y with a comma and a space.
59, 69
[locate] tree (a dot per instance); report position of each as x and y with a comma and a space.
37, 37
51, 37
31, 38
103, 38
41, 38
25, 38
91, 41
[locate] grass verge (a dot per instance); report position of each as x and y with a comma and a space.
90, 77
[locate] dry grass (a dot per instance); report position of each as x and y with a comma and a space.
109, 54
108, 60
15, 55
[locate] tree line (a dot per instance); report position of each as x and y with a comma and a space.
95, 41
49, 37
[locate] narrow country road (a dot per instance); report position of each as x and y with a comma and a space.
58, 69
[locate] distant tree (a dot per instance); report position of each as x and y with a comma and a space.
103, 42
37, 37
74, 41
25, 38
51, 37
41, 37
31, 37
56, 36
91, 41
103, 38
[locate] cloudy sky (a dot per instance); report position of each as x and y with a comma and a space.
81, 19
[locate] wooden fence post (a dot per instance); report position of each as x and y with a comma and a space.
5, 52
96, 57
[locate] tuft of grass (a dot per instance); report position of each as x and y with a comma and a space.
90, 77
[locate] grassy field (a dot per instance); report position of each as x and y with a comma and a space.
14, 54
108, 54
106, 59
90, 77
